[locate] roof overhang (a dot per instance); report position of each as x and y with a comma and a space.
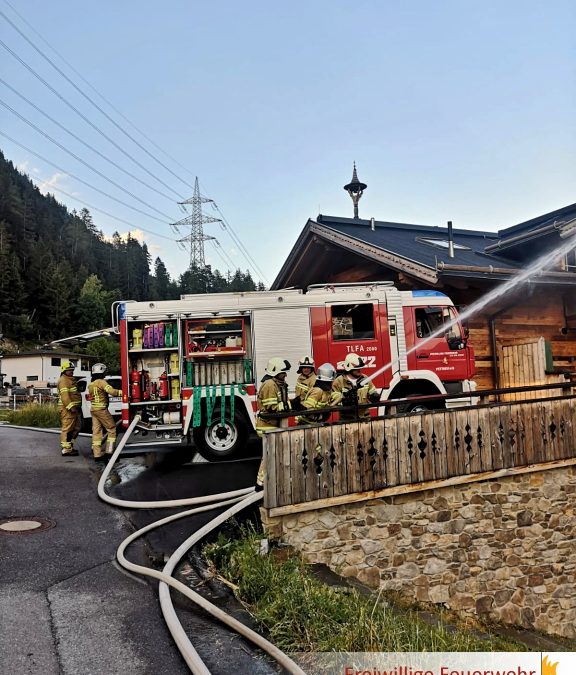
313, 230
491, 273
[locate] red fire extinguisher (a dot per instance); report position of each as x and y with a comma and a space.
135, 388
164, 389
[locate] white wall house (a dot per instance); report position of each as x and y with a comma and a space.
41, 368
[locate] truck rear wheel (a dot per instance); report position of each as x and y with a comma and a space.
217, 442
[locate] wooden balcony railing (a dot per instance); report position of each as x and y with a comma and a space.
323, 462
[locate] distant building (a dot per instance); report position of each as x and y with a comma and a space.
41, 368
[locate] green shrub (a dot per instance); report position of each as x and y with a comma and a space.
301, 614
35, 415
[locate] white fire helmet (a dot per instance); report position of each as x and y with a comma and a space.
306, 362
326, 373
277, 365
353, 362
99, 369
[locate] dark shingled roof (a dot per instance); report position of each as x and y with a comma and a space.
564, 214
406, 240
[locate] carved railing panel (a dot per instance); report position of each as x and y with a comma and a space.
306, 464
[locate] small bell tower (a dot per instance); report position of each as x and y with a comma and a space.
355, 189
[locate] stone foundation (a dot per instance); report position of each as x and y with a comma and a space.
502, 549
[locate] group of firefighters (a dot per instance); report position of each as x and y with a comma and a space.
70, 407
316, 390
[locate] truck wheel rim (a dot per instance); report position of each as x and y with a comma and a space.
221, 438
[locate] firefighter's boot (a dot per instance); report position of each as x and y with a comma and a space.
68, 449
97, 453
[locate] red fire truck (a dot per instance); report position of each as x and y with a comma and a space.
191, 367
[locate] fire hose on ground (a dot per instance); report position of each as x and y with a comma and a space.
236, 501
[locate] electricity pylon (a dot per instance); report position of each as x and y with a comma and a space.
196, 220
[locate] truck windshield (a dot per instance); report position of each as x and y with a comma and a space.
430, 320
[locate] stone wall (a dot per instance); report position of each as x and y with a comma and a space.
502, 549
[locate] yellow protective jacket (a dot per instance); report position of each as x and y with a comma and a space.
316, 400
342, 385
68, 395
304, 385
272, 397
99, 392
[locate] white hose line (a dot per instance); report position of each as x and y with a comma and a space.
166, 504
168, 607
186, 648
44, 430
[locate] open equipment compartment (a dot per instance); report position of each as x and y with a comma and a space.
154, 354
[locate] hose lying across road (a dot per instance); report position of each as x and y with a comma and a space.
236, 501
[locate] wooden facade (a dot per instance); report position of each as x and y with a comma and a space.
346, 250
329, 465
525, 318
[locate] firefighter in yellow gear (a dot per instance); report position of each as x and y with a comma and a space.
351, 388
272, 397
320, 396
70, 408
304, 382
99, 392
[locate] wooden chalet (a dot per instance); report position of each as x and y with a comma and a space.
525, 337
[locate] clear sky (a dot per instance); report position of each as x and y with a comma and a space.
453, 110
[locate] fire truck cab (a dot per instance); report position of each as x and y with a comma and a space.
192, 367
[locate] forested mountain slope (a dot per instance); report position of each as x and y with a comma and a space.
58, 274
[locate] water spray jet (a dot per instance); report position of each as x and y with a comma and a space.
536, 268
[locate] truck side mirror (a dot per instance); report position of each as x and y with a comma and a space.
455, 342
81, 386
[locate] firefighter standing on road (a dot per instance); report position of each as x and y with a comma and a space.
320, 396
305, 382
69, 406
98, 393
353, 388
272, 397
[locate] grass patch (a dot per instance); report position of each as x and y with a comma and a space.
301, 614
44, 415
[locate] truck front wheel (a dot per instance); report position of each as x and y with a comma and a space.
218, 442
419, 406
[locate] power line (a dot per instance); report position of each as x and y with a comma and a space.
116, 110
111, 215
102, 111
79, 159
226, 226
223, 253
250, 259
81, 140
73, 107
214, 242
21, 145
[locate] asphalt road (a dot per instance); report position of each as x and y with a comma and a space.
65, 605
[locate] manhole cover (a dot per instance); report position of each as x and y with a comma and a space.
25, 525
